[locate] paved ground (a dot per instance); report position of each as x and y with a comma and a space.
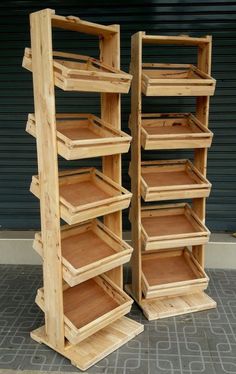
203, 342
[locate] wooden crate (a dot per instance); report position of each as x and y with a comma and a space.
172, 179
171, 226
85, 194
173, 131
73, 72
172, 272
84, 136
88, 249
176, 80
90, 306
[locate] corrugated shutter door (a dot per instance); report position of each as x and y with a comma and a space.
18, 208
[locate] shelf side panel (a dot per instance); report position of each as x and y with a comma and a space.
111, 113
44, 102
200, 155
135, 170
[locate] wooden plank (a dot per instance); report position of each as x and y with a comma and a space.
96, 347
111, 113
44, 102
135, 121
174, 40
163, 307
200, 155
76, 24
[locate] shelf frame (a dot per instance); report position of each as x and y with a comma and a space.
152, 307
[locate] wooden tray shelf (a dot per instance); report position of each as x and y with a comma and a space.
88, 249
172, 272
175, 80
173, 131
90, 306
85, 136
171, 226
85, 194
172, 179
74, 72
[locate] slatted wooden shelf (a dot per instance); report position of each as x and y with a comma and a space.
173, 131
85, 194
172, 179
88, 249
74, 72
172, 272
171, 226
175, 80
90, 306
84, 136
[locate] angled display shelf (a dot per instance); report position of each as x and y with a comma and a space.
85, 135
84, 308
165, 226
82, 73
175, 80
173, 131
79, 259
171, 272
90, 306
169, 180
86, 193
168, 276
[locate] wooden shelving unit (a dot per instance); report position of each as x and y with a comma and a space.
82, 295
167, 277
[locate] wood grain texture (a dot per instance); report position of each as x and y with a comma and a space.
171, 226
44, 103
135, 122
200, 155
88, 249
93, 349
111, 112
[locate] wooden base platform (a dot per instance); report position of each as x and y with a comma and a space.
96, 347
158, 308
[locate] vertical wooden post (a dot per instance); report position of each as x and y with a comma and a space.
135, 121
44, 102
111, 112
200, 155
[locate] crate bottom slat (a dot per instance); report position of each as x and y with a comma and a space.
104, 300
171, 272
164, 307
96, 347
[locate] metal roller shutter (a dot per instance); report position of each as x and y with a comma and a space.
18, 208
